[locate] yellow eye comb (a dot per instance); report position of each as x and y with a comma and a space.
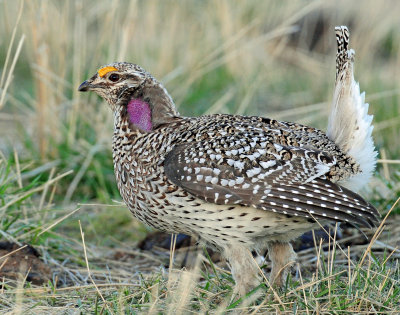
103, 71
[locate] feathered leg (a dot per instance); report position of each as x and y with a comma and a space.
244, 268
283, 257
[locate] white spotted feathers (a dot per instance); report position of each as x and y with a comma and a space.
254, 162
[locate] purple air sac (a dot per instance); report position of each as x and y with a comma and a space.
140, 114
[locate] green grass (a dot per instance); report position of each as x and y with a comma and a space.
258, 58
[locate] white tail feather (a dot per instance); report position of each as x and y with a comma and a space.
349, 124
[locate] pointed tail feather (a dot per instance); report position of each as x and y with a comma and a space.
349, 124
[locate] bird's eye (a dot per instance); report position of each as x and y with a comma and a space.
114, 77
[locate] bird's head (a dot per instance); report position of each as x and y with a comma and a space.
133, 94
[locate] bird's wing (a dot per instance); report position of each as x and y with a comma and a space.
254, 171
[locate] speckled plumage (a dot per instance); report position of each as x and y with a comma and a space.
238, 183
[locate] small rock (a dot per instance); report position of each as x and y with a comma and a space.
23, 262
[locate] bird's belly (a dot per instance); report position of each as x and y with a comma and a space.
239, 224
219, 225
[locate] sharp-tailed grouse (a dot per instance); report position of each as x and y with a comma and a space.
238, 183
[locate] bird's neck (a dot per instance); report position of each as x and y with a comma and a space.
139, 114
147, 109
163, 110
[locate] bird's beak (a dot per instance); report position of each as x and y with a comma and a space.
85, 86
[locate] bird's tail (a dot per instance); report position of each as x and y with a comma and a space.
349, 124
